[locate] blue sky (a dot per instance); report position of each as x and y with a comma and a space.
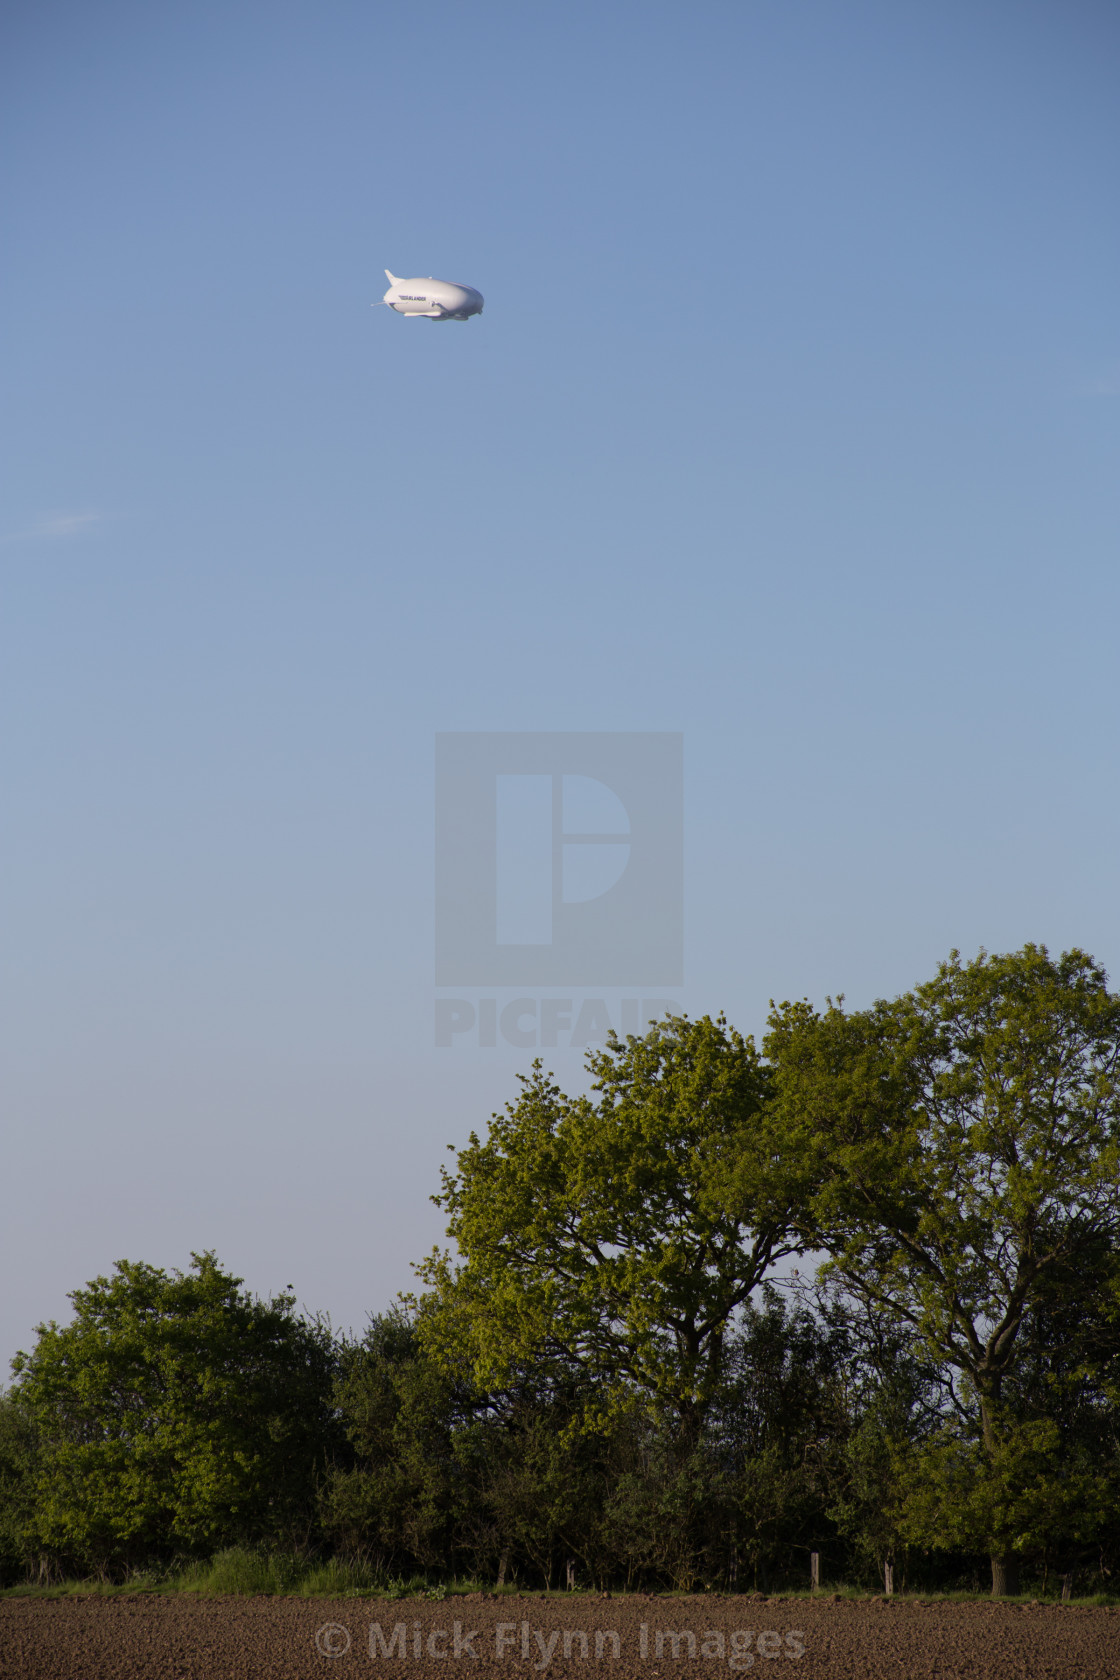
791, 424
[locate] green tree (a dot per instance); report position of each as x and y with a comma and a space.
964, 1143
542, 1485
1017, 1492
894, 1400
395, 1488
667, 1511
438, 1475
18, 1470
781, 1422
174, 1413
598, 1234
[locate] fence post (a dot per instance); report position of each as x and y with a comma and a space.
1067, 1587
888, 1579
815, 1570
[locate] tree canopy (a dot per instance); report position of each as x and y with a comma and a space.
598, 1232
175, 1410
965, 1149
616, 1374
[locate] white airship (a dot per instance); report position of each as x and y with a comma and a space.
438, 300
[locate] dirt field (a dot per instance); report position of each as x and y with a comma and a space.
520, 1637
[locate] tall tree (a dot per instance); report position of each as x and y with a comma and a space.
175, 1412
596, 1232
965, 1145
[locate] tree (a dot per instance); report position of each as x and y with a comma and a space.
175, 1412
542, 1485
894, 1399
437, 1475
395, 1490
779, 1426
18, 1468
964, 1142
598, 1234
1011, 1492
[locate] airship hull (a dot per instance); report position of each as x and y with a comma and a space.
432, 300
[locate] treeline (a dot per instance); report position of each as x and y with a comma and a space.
855, 1294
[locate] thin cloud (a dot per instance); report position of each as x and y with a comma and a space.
52, 526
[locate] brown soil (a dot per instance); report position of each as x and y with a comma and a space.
173, 1638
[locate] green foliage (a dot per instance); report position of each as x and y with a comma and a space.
659, 1510
605, 1379
504, 1484
18, 1474
239, 1571
599, 1236
174, 1412
1014, 1495
395, 1489
540, 1487
782, 1422
964, 1143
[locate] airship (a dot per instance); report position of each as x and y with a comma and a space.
438, 300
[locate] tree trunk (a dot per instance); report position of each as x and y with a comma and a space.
1005, 1576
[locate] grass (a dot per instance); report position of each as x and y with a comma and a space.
242, 1571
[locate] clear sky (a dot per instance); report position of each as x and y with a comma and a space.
791, 424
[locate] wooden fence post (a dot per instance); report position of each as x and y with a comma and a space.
888, 1579
1067, 1587
815, 1570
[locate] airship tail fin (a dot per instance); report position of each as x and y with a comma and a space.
392, 278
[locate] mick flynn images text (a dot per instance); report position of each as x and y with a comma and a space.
537, 1647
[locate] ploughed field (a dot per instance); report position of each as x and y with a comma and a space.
525, 1636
